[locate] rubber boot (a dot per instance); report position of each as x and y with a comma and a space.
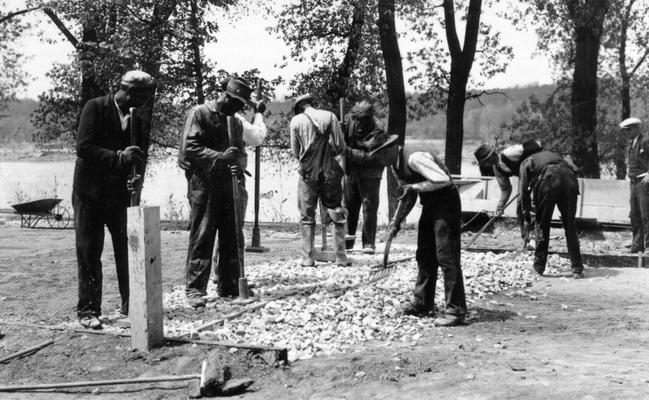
307, 232
339, 234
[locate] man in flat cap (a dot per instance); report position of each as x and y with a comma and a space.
102, 186
316, 139
503, 165
638, 164
209, 158
369, 150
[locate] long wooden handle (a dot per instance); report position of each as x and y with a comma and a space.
235, 201
26, 351
170, 378
131, 113
489, 223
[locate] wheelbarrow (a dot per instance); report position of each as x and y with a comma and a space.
32, 212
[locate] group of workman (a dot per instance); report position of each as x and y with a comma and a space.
111, 164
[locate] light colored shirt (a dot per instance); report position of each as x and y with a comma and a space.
425, 164
123, 119
303, 133
254, 133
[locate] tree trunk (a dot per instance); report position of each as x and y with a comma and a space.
90, 88
625, 92
395, 85
196, 54
588, 18
455, 121
340, 82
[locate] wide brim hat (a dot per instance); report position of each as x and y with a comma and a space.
300, 99
483, 152
629, 122
239, 90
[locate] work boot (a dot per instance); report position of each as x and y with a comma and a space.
417, 310
577, 275
449, 320
339, 245
369, 249
90, 322
196, 302
307, 233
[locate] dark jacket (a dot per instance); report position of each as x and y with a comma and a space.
638, 157
205, 138
98, 173
365, 156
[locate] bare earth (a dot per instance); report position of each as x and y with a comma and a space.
564, 339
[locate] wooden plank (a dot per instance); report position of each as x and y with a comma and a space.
145, 278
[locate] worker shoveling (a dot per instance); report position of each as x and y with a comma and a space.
214, 380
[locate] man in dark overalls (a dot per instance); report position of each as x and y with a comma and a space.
369, 150
100, 195
209, 159
438, 240
638, 162
551, 180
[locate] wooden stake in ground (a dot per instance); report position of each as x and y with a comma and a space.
145, 277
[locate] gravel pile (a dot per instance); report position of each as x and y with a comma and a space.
328, 309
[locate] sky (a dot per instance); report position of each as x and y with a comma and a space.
246, 44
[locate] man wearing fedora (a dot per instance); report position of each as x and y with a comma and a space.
209, 159
503, 165
549, 180
420, 172
369, 150
638, 166
316, 139
102, 186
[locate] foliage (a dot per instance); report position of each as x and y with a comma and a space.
12, 76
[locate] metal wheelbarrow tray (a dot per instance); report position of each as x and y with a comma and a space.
32, 212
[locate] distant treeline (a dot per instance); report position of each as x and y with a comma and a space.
482, 119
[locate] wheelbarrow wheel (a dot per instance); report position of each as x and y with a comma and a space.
60, 217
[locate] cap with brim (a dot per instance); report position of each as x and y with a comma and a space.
239, 90
483, 152
137, 79
629, 122
300, 99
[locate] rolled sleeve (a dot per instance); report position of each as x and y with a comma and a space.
426, 165
296, 144
254, 133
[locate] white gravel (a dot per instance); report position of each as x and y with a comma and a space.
321, 314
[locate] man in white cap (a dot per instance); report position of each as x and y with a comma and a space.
638, 165
208, 158
100, 195
316, 139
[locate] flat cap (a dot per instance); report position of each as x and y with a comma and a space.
304, 97
629, 121
137, 79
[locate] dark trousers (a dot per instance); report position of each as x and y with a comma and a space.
212, 213
363, 192
90, 217
639, 215
558, 185
438, 245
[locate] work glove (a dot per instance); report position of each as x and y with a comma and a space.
134, 184
406, 191
645, 180
260, 107
130, 156
356, 155
394, 228
499, 212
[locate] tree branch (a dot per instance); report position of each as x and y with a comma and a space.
477, 96
451, 31
59, 24
17, 13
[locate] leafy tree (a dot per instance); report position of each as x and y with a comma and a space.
442, 69
12, 75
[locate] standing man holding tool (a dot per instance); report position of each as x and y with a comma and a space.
112, 151
504, 165
209, 160
316, 139
549, 179
422, 173
369, 150
638, 162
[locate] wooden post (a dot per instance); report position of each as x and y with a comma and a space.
145, 277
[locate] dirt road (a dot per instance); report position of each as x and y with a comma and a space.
565, 339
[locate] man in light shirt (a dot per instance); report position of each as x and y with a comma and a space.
638, 165
506, 164
208, 158
422, 173
316, 139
